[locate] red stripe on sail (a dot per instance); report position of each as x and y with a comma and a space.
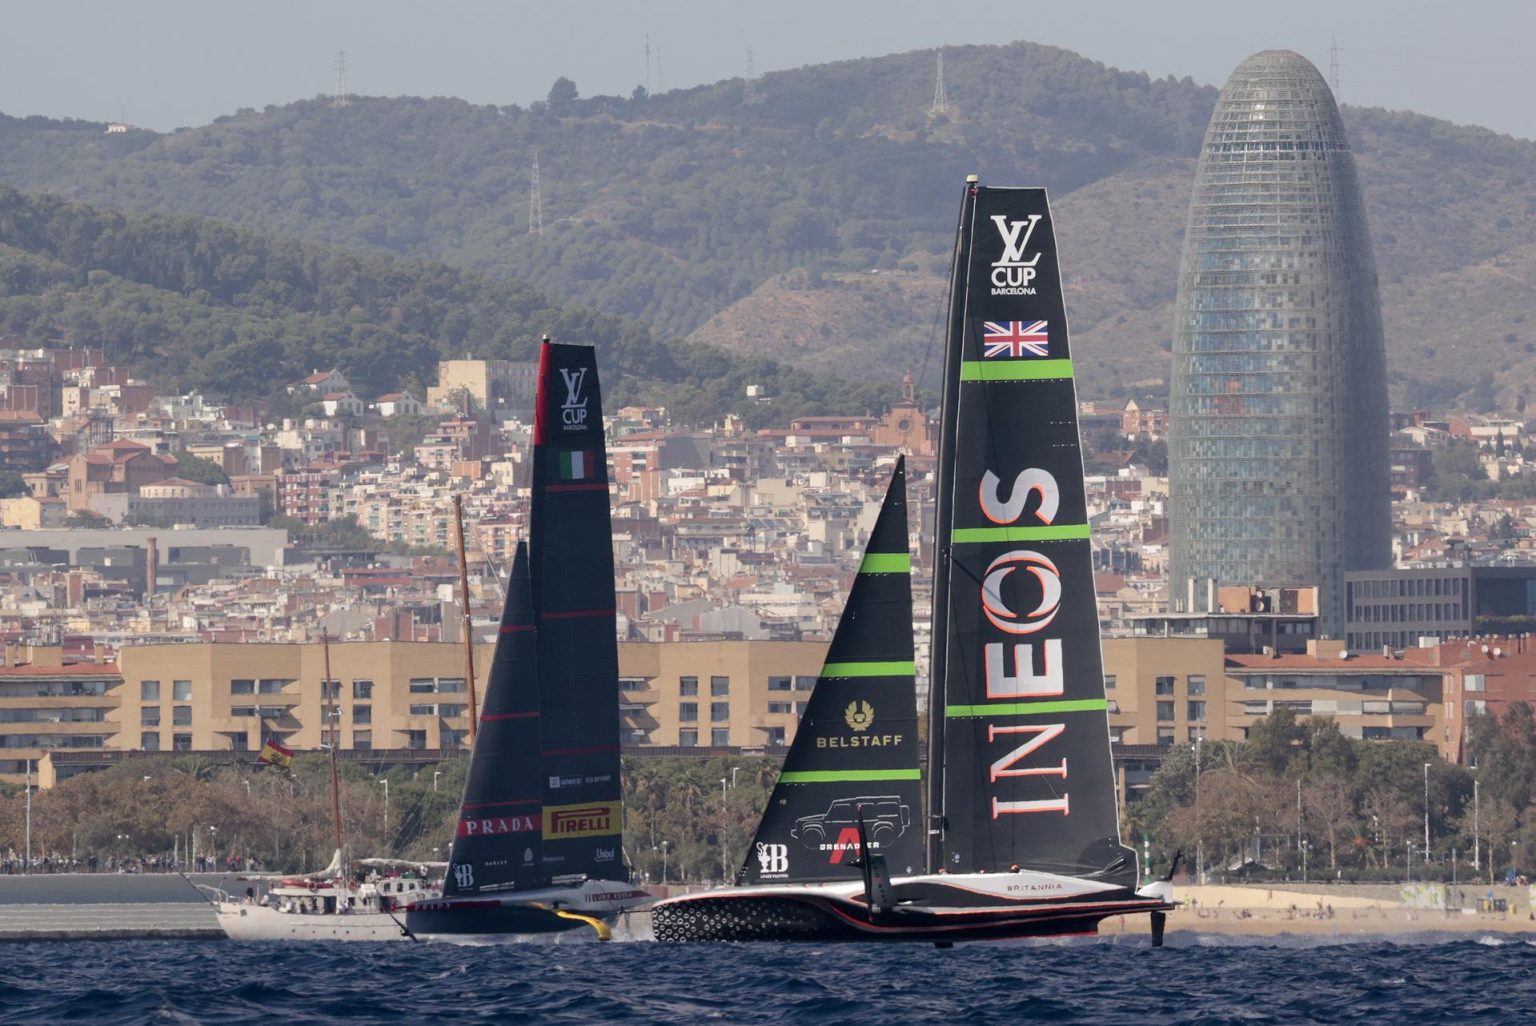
593, 750
513, 628
540, 428
595, 486
509, 716
575, 614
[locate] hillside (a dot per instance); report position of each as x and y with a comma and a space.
193, 303
675, 208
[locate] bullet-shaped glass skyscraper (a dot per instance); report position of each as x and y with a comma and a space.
1277, 447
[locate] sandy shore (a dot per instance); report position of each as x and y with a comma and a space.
1355, 913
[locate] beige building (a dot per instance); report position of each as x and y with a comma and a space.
388, 695
500, 387
1166, 691
716, 693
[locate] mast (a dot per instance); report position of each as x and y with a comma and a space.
469, 641
330, 714
959, 272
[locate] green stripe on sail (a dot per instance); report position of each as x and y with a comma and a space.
886, 563
1026, 708
871, 669
1015, 370
838, 776
1054, 532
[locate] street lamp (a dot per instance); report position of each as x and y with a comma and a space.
213, 845
734, 770
664, 846
1426, 813
385, 782
435, 775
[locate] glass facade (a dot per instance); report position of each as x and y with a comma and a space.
1277, 445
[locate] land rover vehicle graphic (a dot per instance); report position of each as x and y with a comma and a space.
886, 817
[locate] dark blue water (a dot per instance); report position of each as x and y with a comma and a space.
1463, 982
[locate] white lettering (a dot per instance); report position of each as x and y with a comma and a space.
1006, 511
1044, 733
1024, 682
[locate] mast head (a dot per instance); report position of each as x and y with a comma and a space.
972, 179
544, 337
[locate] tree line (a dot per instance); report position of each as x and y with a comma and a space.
1299, 797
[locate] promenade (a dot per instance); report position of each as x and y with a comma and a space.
105, 906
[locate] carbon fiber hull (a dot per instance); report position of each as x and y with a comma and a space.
798, 915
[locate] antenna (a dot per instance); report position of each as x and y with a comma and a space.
750, 93
535, 202
648, 86
1333, 67
341, 99
940, 97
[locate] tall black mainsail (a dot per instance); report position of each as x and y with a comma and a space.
855, 751
572, 586
1022, 774
499, 839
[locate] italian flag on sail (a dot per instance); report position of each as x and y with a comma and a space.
580, 465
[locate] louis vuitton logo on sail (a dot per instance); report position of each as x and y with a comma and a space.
1012, 273
573, 412
1015, 681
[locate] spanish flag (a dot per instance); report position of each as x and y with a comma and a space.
273, 753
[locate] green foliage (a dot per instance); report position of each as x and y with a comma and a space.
195, 468
197, 305
11, 484
1357, 804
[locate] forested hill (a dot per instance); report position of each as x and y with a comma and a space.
194, 303
755, 223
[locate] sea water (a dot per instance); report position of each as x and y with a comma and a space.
1218, 981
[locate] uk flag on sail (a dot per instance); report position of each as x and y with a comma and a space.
1014, 339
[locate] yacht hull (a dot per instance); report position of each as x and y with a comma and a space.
928, 909
550, 910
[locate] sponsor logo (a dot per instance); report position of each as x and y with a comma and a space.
836, 831
1010, 666
859, 715
573, 412
772, 859
587, 820
556, 782
527, 856
860, 741
1014, 274
1014, 339
486, 826
463, 875
604, 854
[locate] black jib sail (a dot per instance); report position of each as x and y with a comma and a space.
856, 747
572, 565
1022, 770
499, 839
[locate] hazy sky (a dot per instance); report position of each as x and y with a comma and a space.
168, 63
